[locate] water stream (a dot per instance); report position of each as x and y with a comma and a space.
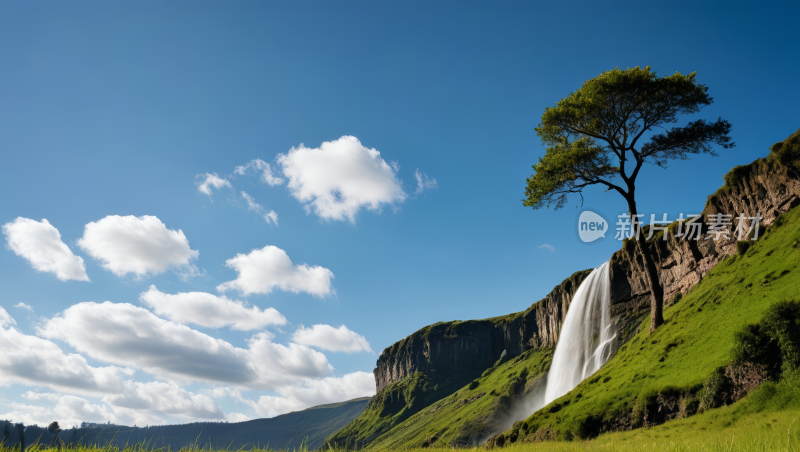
587, 335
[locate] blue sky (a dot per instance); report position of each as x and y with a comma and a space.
113, 114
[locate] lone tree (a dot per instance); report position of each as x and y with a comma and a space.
594, 136
55, 429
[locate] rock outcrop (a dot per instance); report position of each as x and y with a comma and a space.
765, 187
477, 344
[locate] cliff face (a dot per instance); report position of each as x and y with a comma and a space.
766, 188
477, 344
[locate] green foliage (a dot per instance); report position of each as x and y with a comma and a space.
717, 390
754, 344
782, 324
742, 246
593, 132
786, 152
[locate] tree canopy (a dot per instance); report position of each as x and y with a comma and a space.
595, 134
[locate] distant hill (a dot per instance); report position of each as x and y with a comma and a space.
282, 432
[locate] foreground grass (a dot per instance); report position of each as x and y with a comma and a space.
717, 430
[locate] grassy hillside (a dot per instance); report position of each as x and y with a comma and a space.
476, 410
286, 431
672, 364
399, 401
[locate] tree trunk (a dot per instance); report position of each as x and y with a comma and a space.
656, 291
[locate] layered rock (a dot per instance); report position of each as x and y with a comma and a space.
765, 188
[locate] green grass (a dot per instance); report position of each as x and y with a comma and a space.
697, 337
469, 414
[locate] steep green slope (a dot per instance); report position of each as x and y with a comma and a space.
397, 402
467, 416
282, 432
668, 368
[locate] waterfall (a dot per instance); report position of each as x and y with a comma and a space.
586, 336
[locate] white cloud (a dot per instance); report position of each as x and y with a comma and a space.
545, 246
30, 395
340, 177
167, 398
35, 361
236, 417
22, 305
5, 318
40, 243
72, 410
327, 337
209, 310
269, 217
211, 181
123, 334
424, 182
267, 175
252, 204
266, 269
315, 392
136, 245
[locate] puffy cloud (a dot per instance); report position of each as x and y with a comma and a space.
136, 245
5, 318
128, 335
269, 217
340, 177
40, 243
315, 392
209, 310
125, 334
22, 305
167, 398
209, 181
36, 361
267, 175
72, 410
424, 182
327, 337
266, 269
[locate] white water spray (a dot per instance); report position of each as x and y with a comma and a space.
586, 336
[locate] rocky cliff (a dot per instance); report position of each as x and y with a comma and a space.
768, 187
477, 344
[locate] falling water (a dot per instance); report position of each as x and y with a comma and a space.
586, 336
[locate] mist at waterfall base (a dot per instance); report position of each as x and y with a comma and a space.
584, 345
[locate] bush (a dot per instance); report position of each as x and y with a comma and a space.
742, 246
786, 151
782, 323
717, 390
753, 344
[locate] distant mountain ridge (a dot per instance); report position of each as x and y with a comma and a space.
284, 432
